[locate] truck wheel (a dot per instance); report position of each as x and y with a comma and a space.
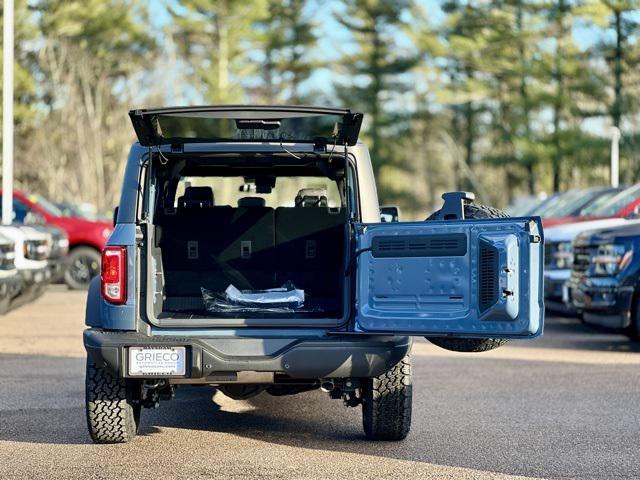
82, 265
386, 403
112, 416
471, 211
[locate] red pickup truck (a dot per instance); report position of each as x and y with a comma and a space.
86, 237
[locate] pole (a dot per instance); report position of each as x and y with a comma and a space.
7, 114
615, 156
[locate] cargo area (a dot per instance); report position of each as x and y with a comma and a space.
275, 225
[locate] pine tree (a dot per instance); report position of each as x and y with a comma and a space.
215, 37
618, 55
285, 40
565, 65
88, 53
25, 30
513, 38
375, 71
465, 36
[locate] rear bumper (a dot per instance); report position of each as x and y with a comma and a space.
319, 357
604, 304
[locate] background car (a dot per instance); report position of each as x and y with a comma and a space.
623, 204
59, 250
86, 237
559, 259
606, 275
573, 204
10, 280
32, 250
534, 208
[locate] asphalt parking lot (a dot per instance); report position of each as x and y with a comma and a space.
564, 406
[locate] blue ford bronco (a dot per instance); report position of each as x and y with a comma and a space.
249, 255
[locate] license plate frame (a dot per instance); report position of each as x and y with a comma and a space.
157, 361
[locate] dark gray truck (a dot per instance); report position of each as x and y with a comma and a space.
248, 255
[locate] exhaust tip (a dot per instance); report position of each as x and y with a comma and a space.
327, 386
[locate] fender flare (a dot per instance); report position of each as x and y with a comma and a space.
92, 316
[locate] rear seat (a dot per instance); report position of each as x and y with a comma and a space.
211, 247
253, 246
310, 243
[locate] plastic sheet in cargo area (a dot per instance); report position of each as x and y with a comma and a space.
286, 299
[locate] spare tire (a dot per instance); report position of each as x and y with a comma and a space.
471, 211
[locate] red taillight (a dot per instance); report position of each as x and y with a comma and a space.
114, 274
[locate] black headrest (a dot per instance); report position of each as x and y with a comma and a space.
197, 197
251, 202
311, 197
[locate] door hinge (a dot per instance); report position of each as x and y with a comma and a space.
139, 235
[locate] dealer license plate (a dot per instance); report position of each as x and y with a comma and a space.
157, 361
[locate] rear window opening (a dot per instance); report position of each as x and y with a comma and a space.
221, 226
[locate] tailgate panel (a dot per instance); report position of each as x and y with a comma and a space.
469, 278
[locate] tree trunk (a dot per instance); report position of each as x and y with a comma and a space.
616, 112
469, 141
524, 95
558, 75
531, 178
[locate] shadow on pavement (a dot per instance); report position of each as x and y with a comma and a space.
512, 417
573, 334
489, 416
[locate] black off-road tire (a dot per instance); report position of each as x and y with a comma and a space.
112, 414
386, 403
471, 211
83, 264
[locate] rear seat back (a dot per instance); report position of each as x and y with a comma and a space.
213, 247
310, 247
249, 249
253, 247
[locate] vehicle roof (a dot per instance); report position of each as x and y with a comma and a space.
568, 231
616, 203
629, 229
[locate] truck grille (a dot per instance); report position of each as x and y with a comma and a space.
582, 260
7, 257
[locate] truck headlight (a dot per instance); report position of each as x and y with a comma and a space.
560, 256
63, 246
611, 259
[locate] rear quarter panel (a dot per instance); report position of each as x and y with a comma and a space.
100, 313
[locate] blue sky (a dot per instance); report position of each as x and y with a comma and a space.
334, 40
